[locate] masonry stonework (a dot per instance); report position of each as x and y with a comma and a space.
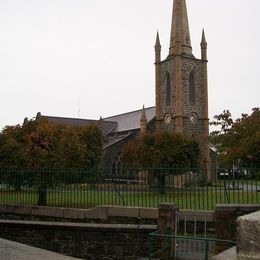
187, 111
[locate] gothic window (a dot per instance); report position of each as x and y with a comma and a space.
117, 168
168, 90
192, 90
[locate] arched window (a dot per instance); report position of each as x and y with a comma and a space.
192, 90
117, 167
168, 90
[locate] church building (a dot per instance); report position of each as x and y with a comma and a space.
181, 97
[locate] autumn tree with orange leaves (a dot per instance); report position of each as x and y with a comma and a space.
39, 144
237, 142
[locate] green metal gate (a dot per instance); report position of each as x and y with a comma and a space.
169, 246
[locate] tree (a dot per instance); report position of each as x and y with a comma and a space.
237, 142
40, 145
162, 152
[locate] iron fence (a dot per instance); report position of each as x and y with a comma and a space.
192, 189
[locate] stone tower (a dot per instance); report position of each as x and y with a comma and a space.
182, 84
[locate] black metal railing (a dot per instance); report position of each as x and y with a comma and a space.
189, 188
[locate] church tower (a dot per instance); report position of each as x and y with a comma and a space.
182, 84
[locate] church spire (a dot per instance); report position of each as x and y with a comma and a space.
157, 48
143, 122
157, 43
180, 25
203, 46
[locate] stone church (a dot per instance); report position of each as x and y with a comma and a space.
181, 89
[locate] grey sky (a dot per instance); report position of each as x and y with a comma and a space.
59, 56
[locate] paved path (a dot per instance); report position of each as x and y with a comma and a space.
10, 250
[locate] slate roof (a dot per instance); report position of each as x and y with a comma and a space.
114, 140
119, 123
131, 120
106, 126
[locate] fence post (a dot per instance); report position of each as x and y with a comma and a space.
42, 192
167, 224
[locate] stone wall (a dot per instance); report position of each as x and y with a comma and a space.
99, 239
226, 221
226, 218
248, 235
99, 214
87, 241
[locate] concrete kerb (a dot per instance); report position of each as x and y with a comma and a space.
234, 207
7, 208
22, 210
47, 211
230, 254
13, 250
99, 212
130, 212
73, 213
150, 213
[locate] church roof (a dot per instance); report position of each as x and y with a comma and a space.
106, 126
113, 140
119, 123
131, 120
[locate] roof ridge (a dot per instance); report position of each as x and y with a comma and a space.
79, 119
73, 118
128, 112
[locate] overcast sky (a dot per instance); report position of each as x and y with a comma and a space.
95, 58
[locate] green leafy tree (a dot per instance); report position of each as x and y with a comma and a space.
237, 142
162, 152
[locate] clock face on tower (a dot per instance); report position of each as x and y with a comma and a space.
167, 118
193, 118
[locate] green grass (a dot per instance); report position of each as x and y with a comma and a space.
203, 199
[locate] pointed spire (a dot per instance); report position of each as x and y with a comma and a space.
143, 122
203, 38
180, 24
143, 118
203, 46
157, 43
157, 48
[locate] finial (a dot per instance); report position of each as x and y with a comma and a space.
203, 46
38, 115
157, 43
203, 38
25, 121
143, 122
143, 116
